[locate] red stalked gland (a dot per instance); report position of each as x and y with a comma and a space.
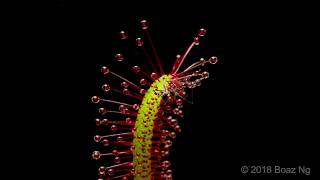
114, 128
136, 69
98, 122
202, 32
205, 75
97, 138
106, 87
96, 155
110, 172
102, 170
125, 91
123, 35
119, 138
154, 76
142, 91
105, 142
95, 99
115, 153
117, 159
139, 42
196, 41
143, 82
119, 57
144, 24
179, 102
102, 111
124, 84
136, 107
213, 60
105, 70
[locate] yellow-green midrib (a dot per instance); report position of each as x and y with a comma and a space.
144, 128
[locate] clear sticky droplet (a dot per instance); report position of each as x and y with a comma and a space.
213, 60
136, 69
106, 87
96, 155
123, 35
95, 99
119, 57
202, 32
105, 70
139, 42
144, 24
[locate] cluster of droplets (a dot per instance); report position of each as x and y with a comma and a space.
124, 159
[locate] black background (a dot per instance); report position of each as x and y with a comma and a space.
257, 108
